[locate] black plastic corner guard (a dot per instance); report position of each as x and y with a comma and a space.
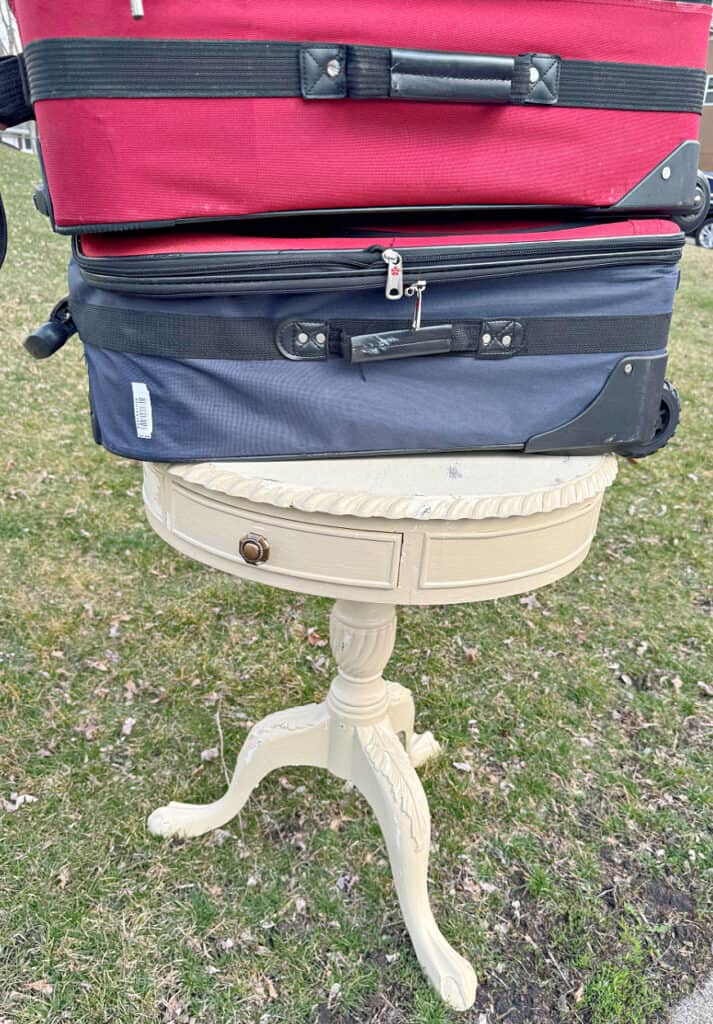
624, 411
671, 185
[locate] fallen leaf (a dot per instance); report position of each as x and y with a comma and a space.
63, 876
16, 801
130, 691
210, 754
219, 836
173, 1011
42, 986
128, 726
97, 665
345, 883
705, 689
471, 653
314, 639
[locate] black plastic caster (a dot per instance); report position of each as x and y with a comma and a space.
669, 415
52, 334
695, 217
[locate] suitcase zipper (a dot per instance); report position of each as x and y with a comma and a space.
186, 273
394, 273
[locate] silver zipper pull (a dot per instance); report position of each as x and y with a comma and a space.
417, 289
394, 273
137, 8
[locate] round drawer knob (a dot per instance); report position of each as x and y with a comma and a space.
254, 549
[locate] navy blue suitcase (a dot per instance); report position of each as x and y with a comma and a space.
439, 338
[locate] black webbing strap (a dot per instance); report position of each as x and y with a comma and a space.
181, 336
181, 68
15, 107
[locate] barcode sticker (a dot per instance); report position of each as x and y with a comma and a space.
143, 416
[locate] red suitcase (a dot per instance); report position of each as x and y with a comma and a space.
218, 110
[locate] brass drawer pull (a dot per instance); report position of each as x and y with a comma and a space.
254, 549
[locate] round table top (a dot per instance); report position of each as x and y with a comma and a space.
431, 487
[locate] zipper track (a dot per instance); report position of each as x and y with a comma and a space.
307, 270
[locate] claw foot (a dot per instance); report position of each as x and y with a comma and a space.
183, 821
423, 747
451, 976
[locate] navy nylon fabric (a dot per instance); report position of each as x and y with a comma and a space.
232, 409
607, 291
226, 409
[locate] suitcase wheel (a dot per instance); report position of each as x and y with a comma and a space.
669, 415
695, 217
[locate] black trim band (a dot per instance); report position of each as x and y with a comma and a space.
179, 336
15, 107
182, 68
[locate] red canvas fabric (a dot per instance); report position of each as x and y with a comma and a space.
159, 243
113, 161
635, 31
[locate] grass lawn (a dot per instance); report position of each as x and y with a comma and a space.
573, 864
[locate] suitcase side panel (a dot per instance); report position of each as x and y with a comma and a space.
222, 409
212, 410
543, 156
148, 160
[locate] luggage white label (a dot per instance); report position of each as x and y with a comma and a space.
143, 414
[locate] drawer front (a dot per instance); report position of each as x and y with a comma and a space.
302, 551
501, 554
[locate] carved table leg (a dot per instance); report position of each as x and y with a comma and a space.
363, 732
419, 745
298, 736
365, 748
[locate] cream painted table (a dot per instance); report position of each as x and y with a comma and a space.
375, 533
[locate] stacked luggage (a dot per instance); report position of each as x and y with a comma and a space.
457, 230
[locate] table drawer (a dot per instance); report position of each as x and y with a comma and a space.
298, 550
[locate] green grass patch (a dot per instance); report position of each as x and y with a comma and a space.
573, 864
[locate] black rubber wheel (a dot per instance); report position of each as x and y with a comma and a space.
669, 415
695, 217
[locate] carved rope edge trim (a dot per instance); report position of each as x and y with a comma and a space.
212, 477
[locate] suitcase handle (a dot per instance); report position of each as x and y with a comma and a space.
373, 72
372, 348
